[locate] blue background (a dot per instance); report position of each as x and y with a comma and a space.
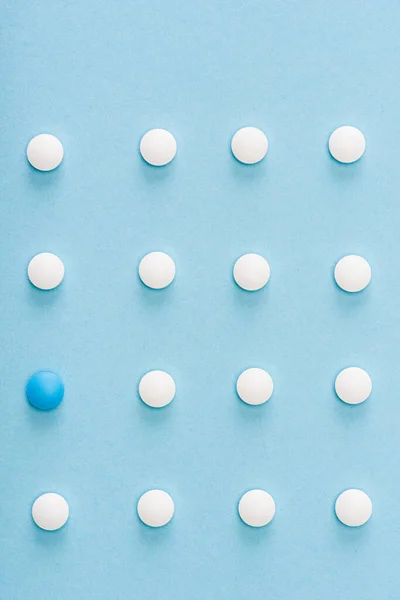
99, 75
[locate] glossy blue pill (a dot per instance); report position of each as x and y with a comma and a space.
45, 390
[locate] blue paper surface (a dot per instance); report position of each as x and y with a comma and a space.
98, 75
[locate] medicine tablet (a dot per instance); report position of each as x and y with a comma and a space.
50, 511
352, 273
353, 508
45, 390
249, 145
347, 144
254, 386
155, 508
46, 271
353, 385
256, 508
158, 147
157, 270
45, 152
157, 389
251, 272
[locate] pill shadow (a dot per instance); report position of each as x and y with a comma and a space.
252, 537
156, 176
349, 303
150, 416
42, 298
50, 541
349, 415
42, 421
344, 174
249, 301
245, 174
155, 538
153, 299
41, 183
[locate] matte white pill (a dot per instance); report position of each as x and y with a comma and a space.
249, 145
157, 389
157, 270
353, 385
254, 386
50, 511
347, 144
155, 508
251, 272
46, 271
353, 508
45, 152
158, 147
352, 273
256, 508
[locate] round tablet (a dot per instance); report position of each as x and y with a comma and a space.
157, 270
45, 152
256, 508
45, 390
46, 271
158, 147
251, 272
254, 386
157, 389
155, 508
249, 145
353, 385
353, 508
347, 144
50, 511
352, 273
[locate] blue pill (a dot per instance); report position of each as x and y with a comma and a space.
45, 390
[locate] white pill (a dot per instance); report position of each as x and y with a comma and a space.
251, 272
155, 508
46, 271
353, 385
256, 508
347, 144
353, 508
45, 152
249, 145
157, 270
158, 147
157, 389
50, 511
352, 273
254, 386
